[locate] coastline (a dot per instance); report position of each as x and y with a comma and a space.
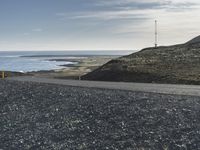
80, 67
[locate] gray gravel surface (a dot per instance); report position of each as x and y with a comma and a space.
46, 116
193, 90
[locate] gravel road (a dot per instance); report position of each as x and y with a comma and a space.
58, 117
193, 90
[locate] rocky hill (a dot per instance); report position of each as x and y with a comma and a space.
165, 64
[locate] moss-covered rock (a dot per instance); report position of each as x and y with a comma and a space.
166, 64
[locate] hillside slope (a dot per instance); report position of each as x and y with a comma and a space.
169, 64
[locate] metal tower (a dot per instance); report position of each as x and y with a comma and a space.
156, 33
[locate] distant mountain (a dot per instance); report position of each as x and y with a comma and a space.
165, 64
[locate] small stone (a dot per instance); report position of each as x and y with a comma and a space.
21, 141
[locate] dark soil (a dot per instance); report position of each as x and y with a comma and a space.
43, 116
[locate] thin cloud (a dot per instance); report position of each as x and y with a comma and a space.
26, 33
129, 9
148, 4
106, 15
33, 30
37, 30
133, 17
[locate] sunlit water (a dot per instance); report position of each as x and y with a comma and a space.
13, 61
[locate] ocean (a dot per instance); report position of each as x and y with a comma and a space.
27, 61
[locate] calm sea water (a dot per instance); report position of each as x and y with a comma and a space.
15, 61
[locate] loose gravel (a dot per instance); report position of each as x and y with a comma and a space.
44, 116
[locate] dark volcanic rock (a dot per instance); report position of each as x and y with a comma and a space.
43, 116
195, 40
170, 64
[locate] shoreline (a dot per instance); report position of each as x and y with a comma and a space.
81, 66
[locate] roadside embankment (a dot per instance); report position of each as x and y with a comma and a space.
51, 116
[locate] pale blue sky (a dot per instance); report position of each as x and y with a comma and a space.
95, 24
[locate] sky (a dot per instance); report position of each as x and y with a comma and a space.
96, 24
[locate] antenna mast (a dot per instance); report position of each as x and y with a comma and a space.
156, 33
